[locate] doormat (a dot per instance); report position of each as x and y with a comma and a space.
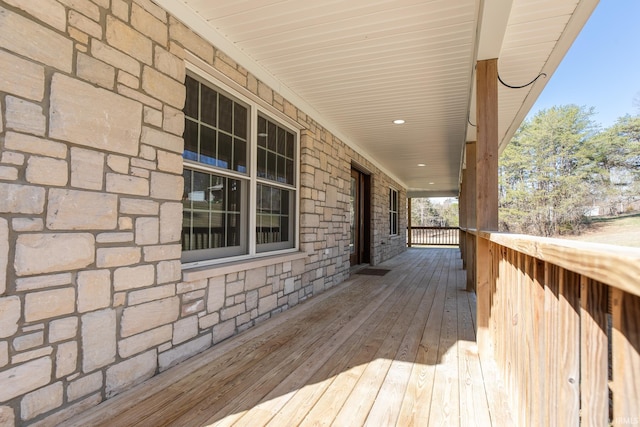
373, 271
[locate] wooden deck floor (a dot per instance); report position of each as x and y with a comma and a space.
381, 351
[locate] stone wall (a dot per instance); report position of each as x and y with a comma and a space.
93, 299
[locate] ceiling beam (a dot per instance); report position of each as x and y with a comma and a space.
494, 17
492, 27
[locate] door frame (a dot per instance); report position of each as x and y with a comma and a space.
362, 214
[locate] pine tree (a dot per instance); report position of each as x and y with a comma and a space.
546, 177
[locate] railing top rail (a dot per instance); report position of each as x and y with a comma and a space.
430, 227
615, 266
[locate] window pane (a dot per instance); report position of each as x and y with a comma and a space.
240, 121
289, 177
209, 134
232, 210
273, 212
212, 211
284, 228
234, 194
262, 163
290, 145
282, 141
190, 140
233, 229
225, 148
207, 145
284, 202
226, 114
208, 105
272, 134
191, 105
264, 199
186, 207
262, 132
271, 166
393, 211
186, 200
276, 196
239, 155
281, 173
200, 236
199, 194
280, 147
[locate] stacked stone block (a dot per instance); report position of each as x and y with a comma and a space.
90, 200
93, 299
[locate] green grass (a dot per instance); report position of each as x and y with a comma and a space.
621, 231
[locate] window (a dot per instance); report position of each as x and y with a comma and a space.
393, 212
226, 191
275, 197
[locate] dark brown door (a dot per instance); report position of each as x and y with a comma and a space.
359, 224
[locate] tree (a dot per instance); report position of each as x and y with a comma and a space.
546, 177
422, 211
617, 152
449, 211
425, 213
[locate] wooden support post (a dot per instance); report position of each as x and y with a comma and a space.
470, 153
409, 222
486, 191
462, 218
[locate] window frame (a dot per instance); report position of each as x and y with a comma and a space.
394, 206
274, 183
255, 107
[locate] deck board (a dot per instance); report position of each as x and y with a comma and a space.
397, 349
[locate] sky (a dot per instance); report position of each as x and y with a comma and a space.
602, 67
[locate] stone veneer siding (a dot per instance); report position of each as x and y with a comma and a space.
93, 299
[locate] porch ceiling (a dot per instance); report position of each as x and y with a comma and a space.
357, 65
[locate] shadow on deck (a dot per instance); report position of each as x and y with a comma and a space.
397, 349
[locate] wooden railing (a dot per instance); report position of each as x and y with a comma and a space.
563, 325
438, 236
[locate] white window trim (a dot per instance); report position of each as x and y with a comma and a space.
256, 105
397, 212
206, 71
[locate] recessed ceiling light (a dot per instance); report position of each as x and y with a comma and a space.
421, 165
431, 183
398, 122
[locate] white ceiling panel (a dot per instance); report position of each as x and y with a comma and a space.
360, 64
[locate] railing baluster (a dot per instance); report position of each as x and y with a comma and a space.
435, 236
551, 304
594, 353
537, 356
508, 321
569, 356
626, 358
549, 328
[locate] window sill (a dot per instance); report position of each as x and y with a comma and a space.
205, 272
